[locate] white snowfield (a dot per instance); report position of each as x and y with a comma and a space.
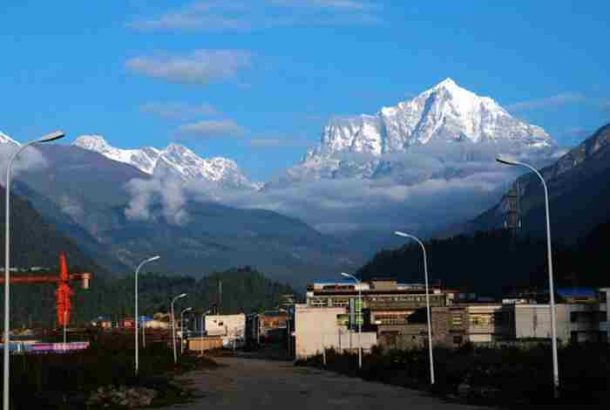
174, 159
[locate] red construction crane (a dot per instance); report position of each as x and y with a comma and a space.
63, 293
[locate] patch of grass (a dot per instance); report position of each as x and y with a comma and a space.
66, 381
508, 376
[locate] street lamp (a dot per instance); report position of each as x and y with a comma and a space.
137, 353
188, 309
510, 161
423, 248
180, 296
360, 316
7, 261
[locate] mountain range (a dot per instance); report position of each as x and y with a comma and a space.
425, 163
361, 146
175, 159
85, 196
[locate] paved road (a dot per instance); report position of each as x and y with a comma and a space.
242, 384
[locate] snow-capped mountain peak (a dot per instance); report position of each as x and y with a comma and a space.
445, 112
175, 159
5, 139
448, 84
144, 159
441, 120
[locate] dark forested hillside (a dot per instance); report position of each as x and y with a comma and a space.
243, 290
495, 262
579, 191
34, 242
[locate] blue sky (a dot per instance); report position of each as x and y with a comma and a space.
256, 80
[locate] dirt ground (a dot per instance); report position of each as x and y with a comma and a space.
243, 383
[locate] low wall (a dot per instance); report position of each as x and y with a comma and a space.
205, 343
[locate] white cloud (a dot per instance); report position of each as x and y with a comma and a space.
209, 16
30, 160
210, 129
262, 14
197, 67
436, 187
557, 100
178, 110
165, 190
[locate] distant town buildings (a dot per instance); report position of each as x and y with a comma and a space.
393, 316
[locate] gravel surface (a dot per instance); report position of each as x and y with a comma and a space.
241, 383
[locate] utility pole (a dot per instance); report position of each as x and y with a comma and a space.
219, 304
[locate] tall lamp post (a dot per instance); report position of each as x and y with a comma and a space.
425, 256
511, 161
360, 316
7, 261
137, 352
188, 309
180, 296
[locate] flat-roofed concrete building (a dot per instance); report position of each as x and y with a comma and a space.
474, 323
319, 328
576, 322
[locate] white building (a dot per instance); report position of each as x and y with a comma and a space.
232, 328
319, 328
576, 322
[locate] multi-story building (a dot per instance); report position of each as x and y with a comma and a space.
388, 302
393, 309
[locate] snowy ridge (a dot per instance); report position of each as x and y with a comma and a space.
175, 159
144, 159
